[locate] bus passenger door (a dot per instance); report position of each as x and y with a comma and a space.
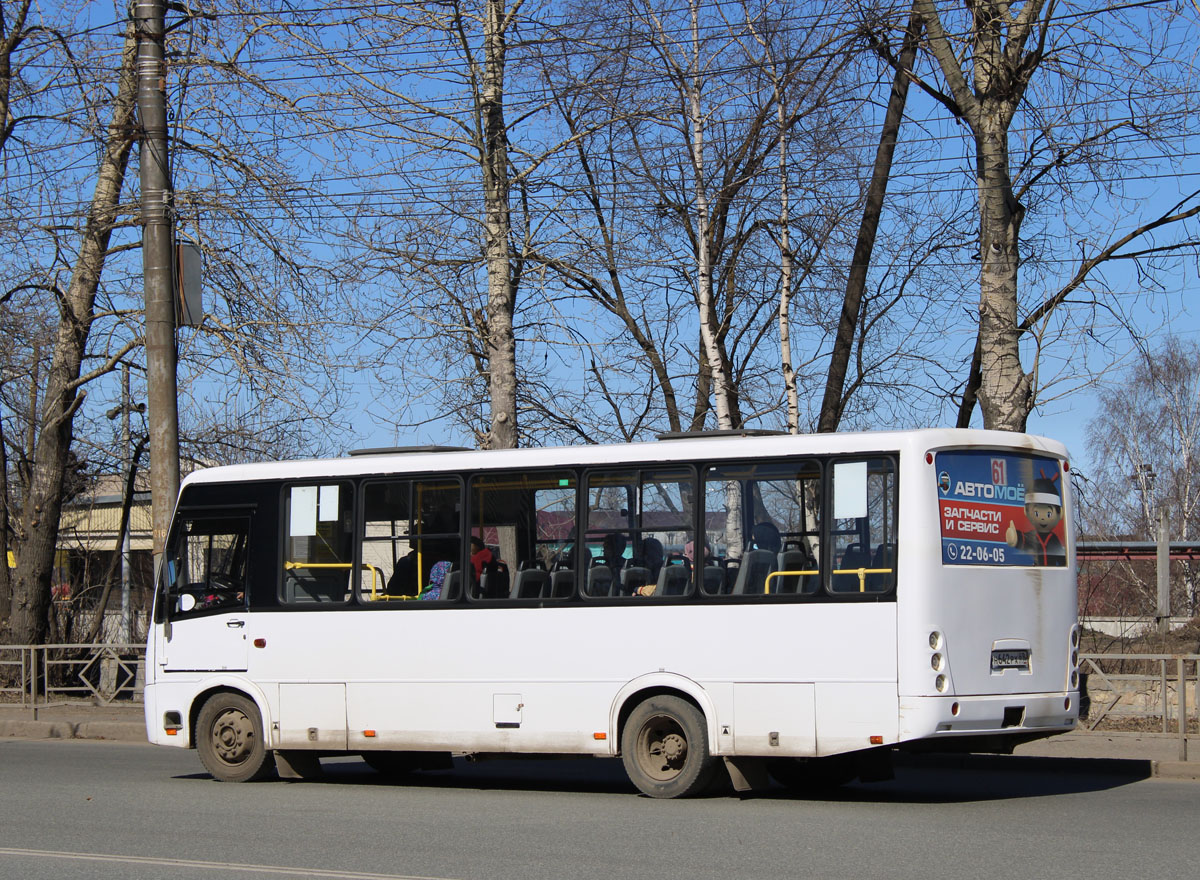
214, 643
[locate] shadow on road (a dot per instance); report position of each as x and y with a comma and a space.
928, 783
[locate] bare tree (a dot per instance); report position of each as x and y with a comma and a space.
990, 64
37, 525
13, 31
737, 91
833, 404
1145, 440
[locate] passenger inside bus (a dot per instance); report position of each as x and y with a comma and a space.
481, 555
403, 581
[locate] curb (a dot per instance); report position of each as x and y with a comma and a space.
1177, 769
125, 731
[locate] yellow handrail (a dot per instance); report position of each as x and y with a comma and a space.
375, 572
774, 574
862, 574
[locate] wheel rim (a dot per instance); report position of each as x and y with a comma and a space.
233, 736
662, 748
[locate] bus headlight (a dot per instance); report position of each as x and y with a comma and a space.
935, 640
936, 662
941, 684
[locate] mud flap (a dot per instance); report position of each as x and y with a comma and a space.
297, 764
747, 774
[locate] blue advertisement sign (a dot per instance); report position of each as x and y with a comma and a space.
1000, 508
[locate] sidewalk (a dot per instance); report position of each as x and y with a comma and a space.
122, 721
1135, 754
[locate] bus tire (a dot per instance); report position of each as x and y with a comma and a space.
814, 775
664, 746
229, 737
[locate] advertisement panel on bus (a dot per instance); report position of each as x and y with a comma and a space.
1000, 508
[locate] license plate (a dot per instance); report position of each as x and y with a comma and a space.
1011, 659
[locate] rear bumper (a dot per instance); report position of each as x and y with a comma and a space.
1017, 715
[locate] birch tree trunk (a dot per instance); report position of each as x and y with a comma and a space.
785, 277
722, 388
62, 397
501, 300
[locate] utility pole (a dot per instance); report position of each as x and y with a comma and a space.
158, 266
127, 467
1163, 557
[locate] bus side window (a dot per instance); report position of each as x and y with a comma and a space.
764, 529
863, 533
522, 530
318, 544
411, 547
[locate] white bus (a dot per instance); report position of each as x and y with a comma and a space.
803, 604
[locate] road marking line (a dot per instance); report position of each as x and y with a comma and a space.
214, 866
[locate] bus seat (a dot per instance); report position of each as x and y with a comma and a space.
494, 584
562, 583
634, 576
795, 560
600, 580
452, 586
885, 557
854, 557
714, 578
531, 583
674, 577
752, 572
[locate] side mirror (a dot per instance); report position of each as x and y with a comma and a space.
187, 602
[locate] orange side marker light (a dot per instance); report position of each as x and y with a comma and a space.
876, 740
368, 733
599, 735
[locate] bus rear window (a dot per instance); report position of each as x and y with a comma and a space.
1000, 508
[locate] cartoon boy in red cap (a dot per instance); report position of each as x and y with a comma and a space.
1043, 506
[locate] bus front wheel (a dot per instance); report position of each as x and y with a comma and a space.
664, 746
229, 737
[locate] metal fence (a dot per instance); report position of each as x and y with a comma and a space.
1144, 686
33, 674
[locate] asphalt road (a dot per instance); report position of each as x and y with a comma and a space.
75, 809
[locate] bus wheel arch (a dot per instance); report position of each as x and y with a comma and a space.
229, 732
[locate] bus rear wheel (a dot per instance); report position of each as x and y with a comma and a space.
229, 737
664, 746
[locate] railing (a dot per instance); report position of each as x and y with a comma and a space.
38, 674
1143, 685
